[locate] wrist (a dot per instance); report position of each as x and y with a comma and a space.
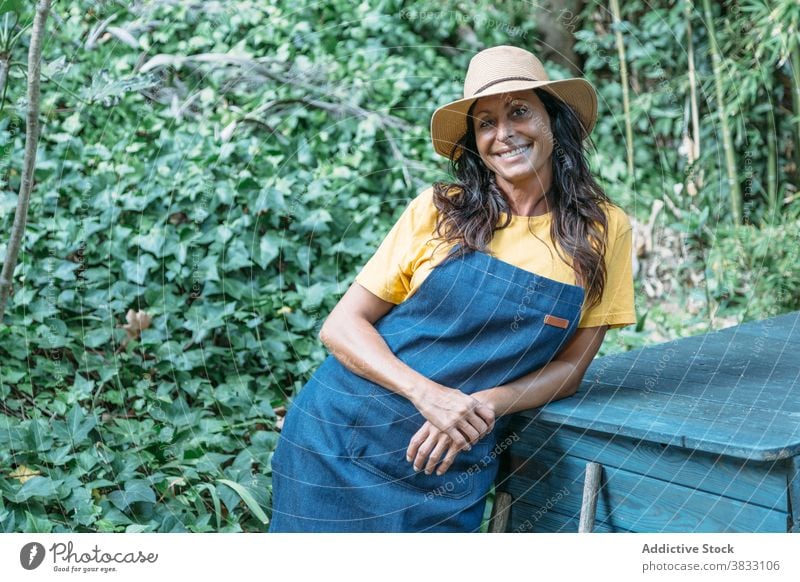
420, 390
487, 398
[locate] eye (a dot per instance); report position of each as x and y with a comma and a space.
483, 124
523, 109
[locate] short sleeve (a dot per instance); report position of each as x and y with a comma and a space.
388, 272
616, 307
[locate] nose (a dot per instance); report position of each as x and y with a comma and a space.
504, 131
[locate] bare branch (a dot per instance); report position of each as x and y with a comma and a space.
29, 161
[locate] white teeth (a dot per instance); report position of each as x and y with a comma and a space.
515, 152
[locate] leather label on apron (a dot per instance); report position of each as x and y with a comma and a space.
556, 321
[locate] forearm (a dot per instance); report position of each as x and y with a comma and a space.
361, 349
554, 381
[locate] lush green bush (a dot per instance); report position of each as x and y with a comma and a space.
756, 271
228, 203
196, 217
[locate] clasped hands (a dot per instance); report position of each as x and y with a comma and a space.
454, 422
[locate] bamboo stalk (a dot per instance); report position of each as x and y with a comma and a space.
772, 172
5, 59
696, 179
29, 160
693, 81
727, 142
796, 103
623, 70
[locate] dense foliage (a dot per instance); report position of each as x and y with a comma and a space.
211, 175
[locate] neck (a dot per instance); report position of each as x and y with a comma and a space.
526, 198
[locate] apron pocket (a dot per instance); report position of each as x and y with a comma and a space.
379, 442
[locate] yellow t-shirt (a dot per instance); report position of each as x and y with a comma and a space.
408, 254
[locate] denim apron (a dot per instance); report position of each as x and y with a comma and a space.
474, 323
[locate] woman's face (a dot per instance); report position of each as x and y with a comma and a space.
506, 122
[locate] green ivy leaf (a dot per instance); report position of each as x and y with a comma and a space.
136, 490
97, 337
137, 271
38, 486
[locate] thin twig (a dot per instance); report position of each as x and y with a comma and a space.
29, 160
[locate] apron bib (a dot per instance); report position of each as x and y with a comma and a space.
474, 323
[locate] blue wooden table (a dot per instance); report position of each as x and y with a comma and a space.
701, 434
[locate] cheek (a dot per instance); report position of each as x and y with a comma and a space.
546, 141
483, 144
545, 138
542, 130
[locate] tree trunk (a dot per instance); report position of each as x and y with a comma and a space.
556, 23
29, 161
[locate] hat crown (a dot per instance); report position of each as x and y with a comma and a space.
501, 63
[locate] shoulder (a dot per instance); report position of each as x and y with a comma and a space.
619, 222
422, 207
424, 200
420, 214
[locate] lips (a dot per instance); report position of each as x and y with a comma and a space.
514, 152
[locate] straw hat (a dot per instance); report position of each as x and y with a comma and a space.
503, 69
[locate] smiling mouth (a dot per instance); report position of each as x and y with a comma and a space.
514, 153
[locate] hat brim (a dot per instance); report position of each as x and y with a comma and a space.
449, 122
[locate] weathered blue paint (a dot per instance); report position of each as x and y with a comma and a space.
700, 434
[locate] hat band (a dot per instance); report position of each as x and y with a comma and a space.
496, 81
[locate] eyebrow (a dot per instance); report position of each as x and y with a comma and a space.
510, 102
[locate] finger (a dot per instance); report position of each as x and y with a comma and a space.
479, 424
440, 449
451, 455
487, 415
470, 432
417, 440
487, 428
457, 437
425, 450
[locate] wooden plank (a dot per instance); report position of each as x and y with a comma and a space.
701, 365
638, 503
760, 483
720, 393
780, 329
743, 376
708, 365
708, 349
793, 483
784, 327
729, 429
591, 486
770, 391
526, 518
498, 520
757, 353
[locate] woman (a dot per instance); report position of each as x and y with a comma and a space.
489, 296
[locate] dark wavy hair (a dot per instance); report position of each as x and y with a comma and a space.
470, 207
